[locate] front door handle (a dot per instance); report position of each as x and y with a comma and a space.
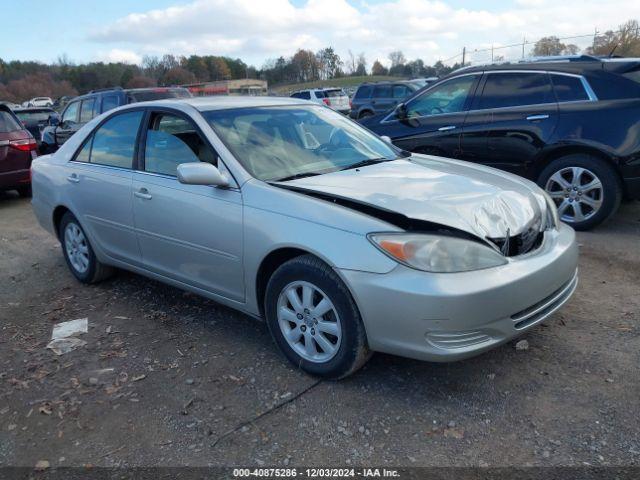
447, 128
73, 178
533, 118
143, 193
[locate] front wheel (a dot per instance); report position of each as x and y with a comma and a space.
314, 320
586, 190
78, 252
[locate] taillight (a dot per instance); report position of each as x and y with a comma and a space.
24, 145
350, 103
327, 102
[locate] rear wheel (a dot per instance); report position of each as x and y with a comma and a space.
314, 320
78, 252
586, 190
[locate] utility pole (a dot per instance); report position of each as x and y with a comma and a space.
492, 53
464, 54
595, 35
524, 42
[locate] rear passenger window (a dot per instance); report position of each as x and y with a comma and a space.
382, 91
363, 92
568, 89
8, 123
305, 95
115, 141
71, 113
516, 89
86, 110
172, 140
109, 103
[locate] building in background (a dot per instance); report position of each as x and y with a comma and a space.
243, 86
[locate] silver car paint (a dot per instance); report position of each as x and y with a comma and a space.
218, 252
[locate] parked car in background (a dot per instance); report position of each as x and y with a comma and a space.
334, 98
82, 109
373, 98
11, 105
291, 212
17, 149
40, 102
570, 124
35, 119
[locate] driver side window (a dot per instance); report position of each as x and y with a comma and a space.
172, 140
448, 97
71, 113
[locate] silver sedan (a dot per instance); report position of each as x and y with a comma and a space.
292, 213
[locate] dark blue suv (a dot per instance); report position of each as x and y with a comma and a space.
82, 109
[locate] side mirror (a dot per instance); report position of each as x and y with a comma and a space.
386, 139
54, 121
200, 173
401, 111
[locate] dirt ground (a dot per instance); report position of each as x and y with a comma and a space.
171, 379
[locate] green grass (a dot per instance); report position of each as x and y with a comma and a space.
341, 82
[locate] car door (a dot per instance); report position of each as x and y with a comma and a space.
512, 120
99, 180
382, 98
433, 121
190, 233
69, 124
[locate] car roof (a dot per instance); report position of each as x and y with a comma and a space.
576, 65
205, 104
34, 109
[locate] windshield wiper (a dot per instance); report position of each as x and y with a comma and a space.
364, 163
296, 176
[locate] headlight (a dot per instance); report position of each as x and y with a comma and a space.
553, 220
437, 253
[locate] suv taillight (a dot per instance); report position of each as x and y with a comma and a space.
24, 145
327, 102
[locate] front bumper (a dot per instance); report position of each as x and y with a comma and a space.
452, 316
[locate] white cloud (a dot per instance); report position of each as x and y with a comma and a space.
427, 29
117, 55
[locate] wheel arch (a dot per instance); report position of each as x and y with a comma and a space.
57, 215
560, 151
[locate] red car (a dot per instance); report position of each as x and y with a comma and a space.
17, 149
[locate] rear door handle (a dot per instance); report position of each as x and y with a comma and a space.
73, 178
447, 128
143, 193
533, 118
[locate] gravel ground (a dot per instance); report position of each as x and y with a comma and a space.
170, 379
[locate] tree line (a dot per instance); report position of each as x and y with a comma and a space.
22, 80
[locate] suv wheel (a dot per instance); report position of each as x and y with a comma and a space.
78, 252
314, 320
585, 189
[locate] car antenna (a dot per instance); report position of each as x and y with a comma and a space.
613, 50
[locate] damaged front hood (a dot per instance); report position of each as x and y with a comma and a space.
479, 200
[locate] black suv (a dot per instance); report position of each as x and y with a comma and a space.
373, 98
82, 109
572, 125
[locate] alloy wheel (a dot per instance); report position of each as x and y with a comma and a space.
577, 192
76, 247
309, 322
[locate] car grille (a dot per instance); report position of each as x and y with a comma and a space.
537, 311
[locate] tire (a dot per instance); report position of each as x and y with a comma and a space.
88, 269
348, 350
582, 208
24, 192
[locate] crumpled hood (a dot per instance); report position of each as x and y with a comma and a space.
473, 198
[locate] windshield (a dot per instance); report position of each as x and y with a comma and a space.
280, 143
35, 116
